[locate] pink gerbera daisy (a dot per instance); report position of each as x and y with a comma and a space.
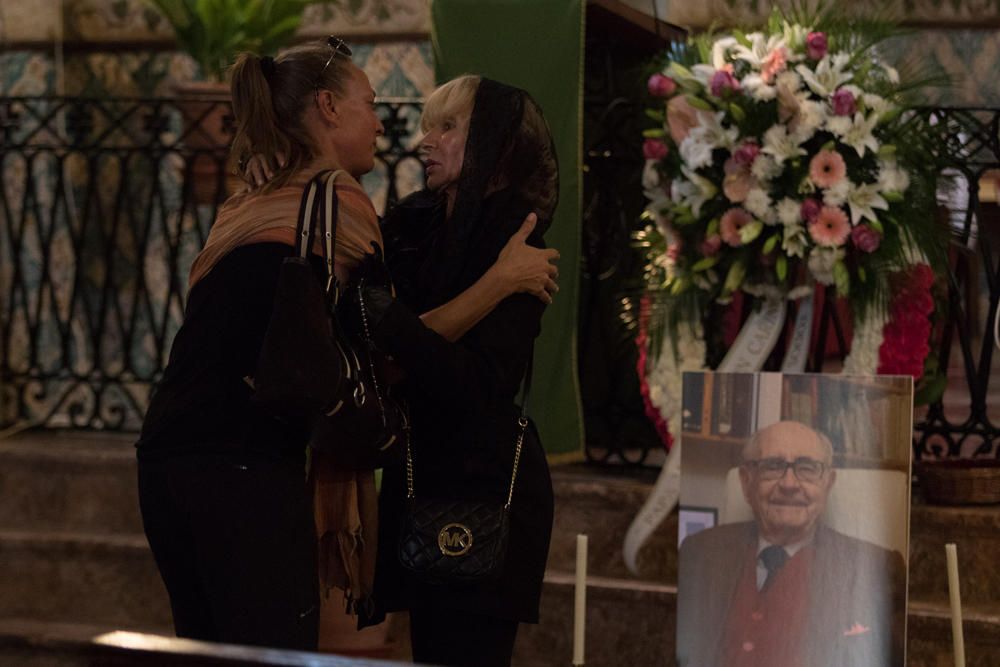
729, 226
827, 169
830, 227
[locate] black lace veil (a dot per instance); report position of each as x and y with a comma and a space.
504, 150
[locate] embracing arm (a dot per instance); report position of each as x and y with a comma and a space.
519, 268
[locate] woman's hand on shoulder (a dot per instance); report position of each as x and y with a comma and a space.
524, 268
258, 171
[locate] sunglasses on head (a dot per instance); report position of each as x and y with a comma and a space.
337, 47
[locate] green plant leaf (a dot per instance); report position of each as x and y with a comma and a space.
654, 133
751, 231
781, 268
699, 103
704, 264
770, 243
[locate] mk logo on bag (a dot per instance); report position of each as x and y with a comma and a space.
455, 540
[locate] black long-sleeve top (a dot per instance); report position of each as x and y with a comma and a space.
202, 404
464, 414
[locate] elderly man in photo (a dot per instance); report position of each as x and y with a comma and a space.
785, 590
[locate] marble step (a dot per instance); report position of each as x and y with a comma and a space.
64, 576
69, 481
633, 623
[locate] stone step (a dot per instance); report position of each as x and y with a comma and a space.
633, 623
69, 481
64, 576
601, 505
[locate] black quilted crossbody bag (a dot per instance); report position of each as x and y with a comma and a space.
459, 541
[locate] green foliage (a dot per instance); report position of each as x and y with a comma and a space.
213, 32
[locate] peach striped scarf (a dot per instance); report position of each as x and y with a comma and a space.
252, 217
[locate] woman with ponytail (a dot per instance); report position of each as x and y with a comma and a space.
226, 503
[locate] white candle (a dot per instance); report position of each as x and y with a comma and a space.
580, 608
956, 605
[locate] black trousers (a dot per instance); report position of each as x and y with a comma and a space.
234, 539
460, 639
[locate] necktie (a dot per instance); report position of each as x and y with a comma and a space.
774, 558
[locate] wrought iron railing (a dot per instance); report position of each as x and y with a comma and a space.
104, 204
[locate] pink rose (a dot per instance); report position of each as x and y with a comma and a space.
810, 209
844, 103
865, 238
711, 245
661, 86
681, 118
654, 149
746, 154
738, 181
816, 45
723, 81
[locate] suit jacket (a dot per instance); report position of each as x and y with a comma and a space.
857, 593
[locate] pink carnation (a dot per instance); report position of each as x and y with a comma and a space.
843, 102
830, 228
865, 238
723, 81
827, 168
661, 86
729, 226
773, 64
654, 149
816, 45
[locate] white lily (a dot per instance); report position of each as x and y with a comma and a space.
760, 48
720, 51
863, 200
695, 151
828, 75
794, 240
694, 191
855, 132
780, 145
795, 37
714, 132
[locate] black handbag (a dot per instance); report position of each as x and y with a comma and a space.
458, 540
312, 370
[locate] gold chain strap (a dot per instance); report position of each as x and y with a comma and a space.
522, 422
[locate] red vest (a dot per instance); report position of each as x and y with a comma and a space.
766, 628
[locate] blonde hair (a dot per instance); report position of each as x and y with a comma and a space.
455, 98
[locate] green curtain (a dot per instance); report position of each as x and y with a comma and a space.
536, 45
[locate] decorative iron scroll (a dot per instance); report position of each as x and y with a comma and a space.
105, 202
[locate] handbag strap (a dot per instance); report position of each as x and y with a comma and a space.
319, 207
522, 423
